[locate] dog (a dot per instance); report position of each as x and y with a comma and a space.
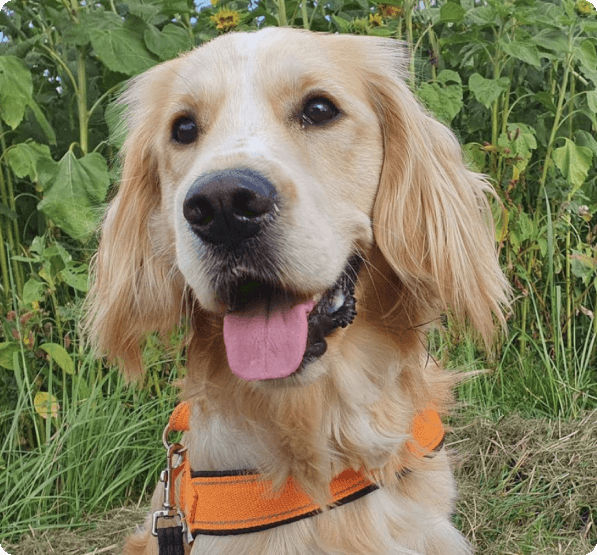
284, 193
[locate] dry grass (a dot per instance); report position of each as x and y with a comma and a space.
527, 487
105, 535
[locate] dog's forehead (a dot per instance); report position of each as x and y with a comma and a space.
269, 56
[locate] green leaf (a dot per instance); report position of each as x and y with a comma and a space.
23, 158
526, 227
545, 98
486, 91
7, 350
573, 161
16, 90
520, 139
60, 356
33, 291
79, 34
584, 138
145, 10
523, 51
73, 198
7, 212
169, 42
172, 7
77, 278
592, 100
444, 101
342, 25
452, 13
587, 57
554, 40
475, 156
447, 76
120, 48
43, 122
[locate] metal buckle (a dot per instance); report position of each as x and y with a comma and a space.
172, 513
169, 509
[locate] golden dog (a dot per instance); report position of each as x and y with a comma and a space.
272, 180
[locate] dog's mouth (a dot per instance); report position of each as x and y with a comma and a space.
270, 333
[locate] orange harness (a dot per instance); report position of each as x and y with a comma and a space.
240, 501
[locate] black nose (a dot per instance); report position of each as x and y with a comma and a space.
229, 206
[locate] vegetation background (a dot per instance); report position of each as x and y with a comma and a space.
516, 80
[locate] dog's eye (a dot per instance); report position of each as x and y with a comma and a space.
319, 111
184, 130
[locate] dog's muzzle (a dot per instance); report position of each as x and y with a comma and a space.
269, 332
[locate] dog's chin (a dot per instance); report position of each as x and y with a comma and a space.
324, 313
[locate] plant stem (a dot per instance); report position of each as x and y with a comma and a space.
408, 12
569, 307
305, 14
82, 102
568, 291
524, 311
8, 199
554, 129
4, 266
505, 114
571, 104
282, 19
187, 23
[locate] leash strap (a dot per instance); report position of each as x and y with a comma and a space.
170, 541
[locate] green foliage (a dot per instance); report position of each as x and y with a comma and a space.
515, 79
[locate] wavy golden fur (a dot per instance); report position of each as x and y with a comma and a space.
384, 180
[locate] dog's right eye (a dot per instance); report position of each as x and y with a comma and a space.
185, 130
319, 111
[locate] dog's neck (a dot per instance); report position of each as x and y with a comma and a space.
357, 414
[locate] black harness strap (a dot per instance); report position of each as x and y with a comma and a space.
170, 541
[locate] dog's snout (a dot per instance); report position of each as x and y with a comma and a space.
229, 206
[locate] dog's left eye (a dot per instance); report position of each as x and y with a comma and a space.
319, 111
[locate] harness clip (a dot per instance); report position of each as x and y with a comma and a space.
169, 510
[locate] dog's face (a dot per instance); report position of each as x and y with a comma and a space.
263, 167
269, 163
268, 157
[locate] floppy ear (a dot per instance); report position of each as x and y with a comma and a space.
431, 217
136, 287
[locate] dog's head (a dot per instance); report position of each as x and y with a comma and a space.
268, 174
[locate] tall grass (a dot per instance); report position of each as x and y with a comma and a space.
102, 448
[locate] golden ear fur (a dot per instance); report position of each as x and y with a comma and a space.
135, 289
432, 220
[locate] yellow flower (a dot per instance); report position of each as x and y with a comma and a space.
390, 12
35, 305
375, 20
214, 2
583, 7
225, 19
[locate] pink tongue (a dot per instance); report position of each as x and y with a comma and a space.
263, 346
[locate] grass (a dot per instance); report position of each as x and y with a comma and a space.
527, 486
102, 448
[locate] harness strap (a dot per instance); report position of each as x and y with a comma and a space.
240, 501
170, 541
